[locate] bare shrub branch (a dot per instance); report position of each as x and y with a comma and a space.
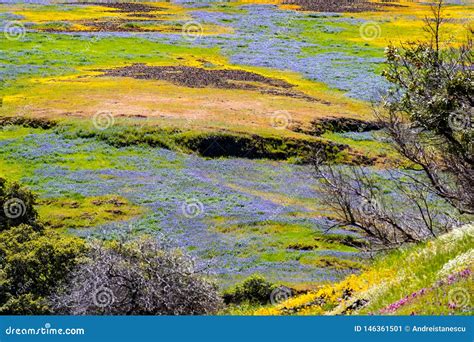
389, 210
137, 278
428, 116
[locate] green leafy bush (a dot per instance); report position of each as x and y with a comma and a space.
255, 290
33, 262
27, 122
16, 205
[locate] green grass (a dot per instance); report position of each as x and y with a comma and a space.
419, 267
68, 54
12, 168
331, 262
85, 212
17, 132
264, 146
280, 242
432, 278
316, 31
444, 300
378, 150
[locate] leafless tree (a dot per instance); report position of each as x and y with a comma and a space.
389, 209
448, 174
139, 277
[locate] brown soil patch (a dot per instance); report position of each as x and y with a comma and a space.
124, 7
144, 15
194, 77
116, 26
98, 26
131, 9
135, 10
340, 6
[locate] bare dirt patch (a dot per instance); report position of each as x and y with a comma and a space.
340, 6
115, 25
140, 15
136, 10
119, 26
125, 7
194, 77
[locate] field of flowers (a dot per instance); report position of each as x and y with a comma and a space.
434, 279
187, 73
238, 216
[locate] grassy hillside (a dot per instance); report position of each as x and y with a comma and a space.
321, 66
434, 278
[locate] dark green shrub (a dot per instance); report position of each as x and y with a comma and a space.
27, 122
223, 144
428, 113
33, 263
255, 290
25, 304
16, 205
